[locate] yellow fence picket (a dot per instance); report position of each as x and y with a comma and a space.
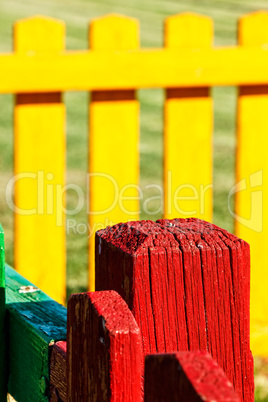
188, 128
39, 153
113, 138
251, 190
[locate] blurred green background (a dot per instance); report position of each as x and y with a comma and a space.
151, 15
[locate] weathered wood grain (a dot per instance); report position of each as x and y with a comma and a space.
34, 322
58, 372
104, 349
186, 376
187, 283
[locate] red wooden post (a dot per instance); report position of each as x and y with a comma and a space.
104, 349
184, 377
187, 284
58, 375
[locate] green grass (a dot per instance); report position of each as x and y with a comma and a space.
151, 15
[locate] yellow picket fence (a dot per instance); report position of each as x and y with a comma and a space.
40, 69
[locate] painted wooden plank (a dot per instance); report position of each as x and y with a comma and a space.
104, 349
58, 372
186, 376
34, 323
113, 139
39, 168
251, 190
86, 70
3, 390
187, 284
188, 128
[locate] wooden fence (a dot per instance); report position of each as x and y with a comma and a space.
40, 69
170, 294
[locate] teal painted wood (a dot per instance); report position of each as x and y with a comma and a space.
2, 318
35, 322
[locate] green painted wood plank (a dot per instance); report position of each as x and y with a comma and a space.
2, 318
34, 323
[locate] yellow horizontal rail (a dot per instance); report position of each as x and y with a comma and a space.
108, 70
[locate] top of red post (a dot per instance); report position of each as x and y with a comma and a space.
187, 284
134, 237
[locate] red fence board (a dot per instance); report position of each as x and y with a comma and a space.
58, 375
104, 349
187, 283
184, 377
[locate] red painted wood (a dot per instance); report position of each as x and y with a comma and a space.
104, 349
58, 375
184, 377
187, 284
